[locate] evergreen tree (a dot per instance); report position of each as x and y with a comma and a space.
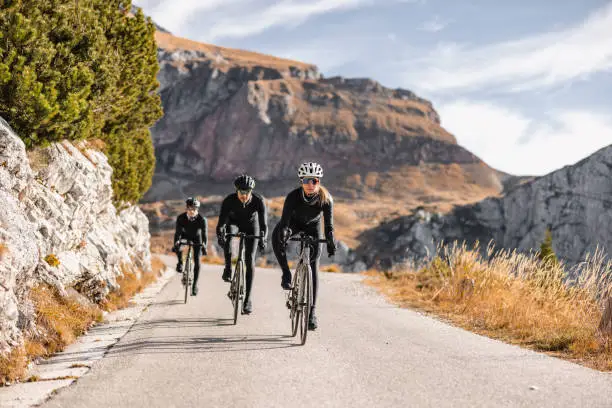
547, 254
85, 69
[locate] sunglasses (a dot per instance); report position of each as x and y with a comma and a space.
243, 192
310, 180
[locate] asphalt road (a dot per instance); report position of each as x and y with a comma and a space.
366, 353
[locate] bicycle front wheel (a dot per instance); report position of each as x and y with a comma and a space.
294, 299
305, 297
237, 283
187, 277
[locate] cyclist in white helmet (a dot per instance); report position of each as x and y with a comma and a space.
302, 211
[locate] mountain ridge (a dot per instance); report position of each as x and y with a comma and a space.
229, 111
574, 202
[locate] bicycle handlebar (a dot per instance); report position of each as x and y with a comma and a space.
242, 234
308, 239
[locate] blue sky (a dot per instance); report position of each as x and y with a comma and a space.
524, 84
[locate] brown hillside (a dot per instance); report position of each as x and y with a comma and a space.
231, 56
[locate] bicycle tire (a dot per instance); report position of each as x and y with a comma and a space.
294, 301
306, 302
237, 281
242, 291
187, 274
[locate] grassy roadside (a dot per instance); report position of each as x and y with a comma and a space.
513, 297
60, 319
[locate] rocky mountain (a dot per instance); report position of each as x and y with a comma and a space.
575, 203
58, 226
229, 111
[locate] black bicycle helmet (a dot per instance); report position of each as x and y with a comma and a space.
192, 202
244, 182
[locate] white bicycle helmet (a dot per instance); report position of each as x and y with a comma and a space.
310, 169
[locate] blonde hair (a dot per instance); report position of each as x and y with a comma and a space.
324, 195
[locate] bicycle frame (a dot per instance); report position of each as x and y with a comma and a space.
299, 300
306, 242
188, 277
237, 290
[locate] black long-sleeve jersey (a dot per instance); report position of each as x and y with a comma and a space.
196, 229
300, 213
246, 216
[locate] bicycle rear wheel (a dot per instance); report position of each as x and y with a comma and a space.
237, 286
187, 278
305, 302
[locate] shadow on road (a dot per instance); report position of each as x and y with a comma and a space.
218, 344
167, 303
181, 323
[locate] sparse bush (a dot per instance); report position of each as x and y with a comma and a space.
52, 260
547, 253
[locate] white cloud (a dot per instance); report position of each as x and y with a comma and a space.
284, 13
173, 16
512, 142
538, 61
434, 25
241, 18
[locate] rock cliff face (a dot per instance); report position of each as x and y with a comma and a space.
575, 203
56, 202
229, 111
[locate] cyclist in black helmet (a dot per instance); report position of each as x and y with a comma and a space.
303, 209
246, 212
192, 226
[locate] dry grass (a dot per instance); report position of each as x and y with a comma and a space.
161, 242
331, 268
52, 260
157, 265
213, 259
61, 319
130, 283
3, 251
513, 297
96, 144
322, 109
38, 158
13, 366
170, 42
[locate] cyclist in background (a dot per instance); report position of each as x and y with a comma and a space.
302, 213
191, 226
246, 211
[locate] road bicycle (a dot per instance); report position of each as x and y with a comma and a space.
188, 263
300, 296
237, 289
